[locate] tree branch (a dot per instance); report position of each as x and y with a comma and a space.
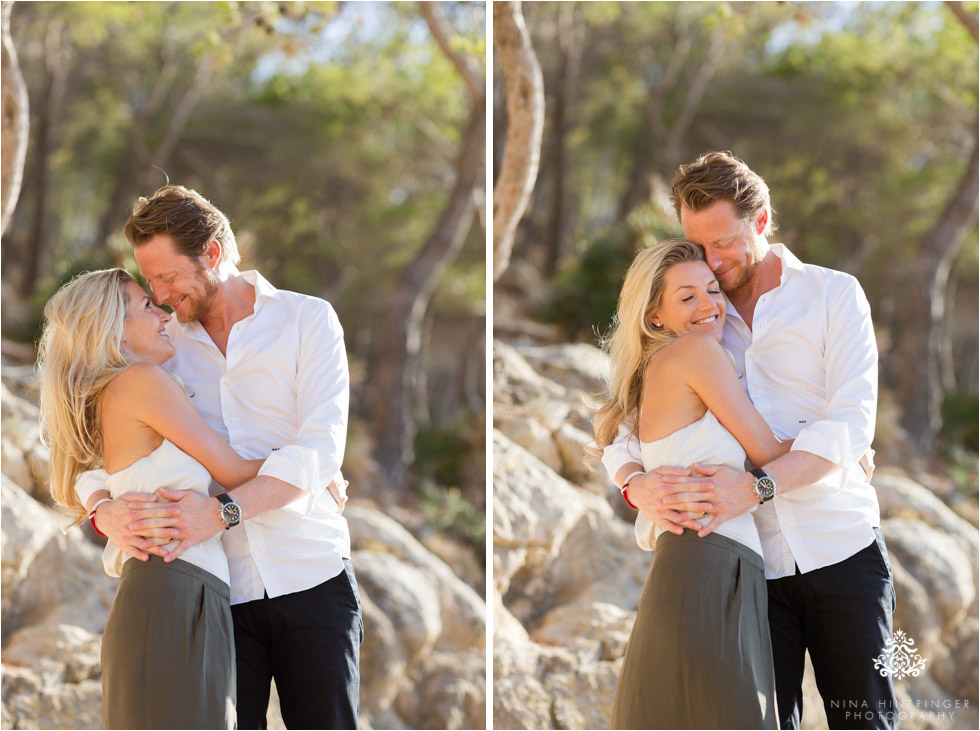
466, 66
968, 20
524, 90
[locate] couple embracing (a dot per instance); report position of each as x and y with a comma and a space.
207, 447
739, 424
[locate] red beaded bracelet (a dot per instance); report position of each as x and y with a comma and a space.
91, 516
626, 498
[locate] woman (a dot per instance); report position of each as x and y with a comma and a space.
699, 655
167, 650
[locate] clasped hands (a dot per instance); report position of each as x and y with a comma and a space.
169, 522
674, 498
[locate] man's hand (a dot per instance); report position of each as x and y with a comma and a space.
136, 523
733, 494
200, 519
868, 464
338, 491
671, 497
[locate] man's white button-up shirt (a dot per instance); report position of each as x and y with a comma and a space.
810, 366
281, 394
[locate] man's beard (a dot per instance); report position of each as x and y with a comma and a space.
199, 307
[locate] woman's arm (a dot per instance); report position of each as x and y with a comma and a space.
707, 369
156, 400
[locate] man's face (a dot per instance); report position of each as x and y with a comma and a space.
183, 283
732, 246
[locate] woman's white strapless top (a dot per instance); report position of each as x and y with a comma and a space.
705, 441
169, 467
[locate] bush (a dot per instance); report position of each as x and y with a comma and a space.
586, 289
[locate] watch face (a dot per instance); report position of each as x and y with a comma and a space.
231, 514
765, 488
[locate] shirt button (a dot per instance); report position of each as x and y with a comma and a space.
257, 551
785, 527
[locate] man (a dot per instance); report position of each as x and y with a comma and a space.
804, 349
267, 369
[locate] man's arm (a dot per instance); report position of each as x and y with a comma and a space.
843, 437
134, 522
295, 475
668, 496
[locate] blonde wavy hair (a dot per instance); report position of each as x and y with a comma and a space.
633, 340
80, 352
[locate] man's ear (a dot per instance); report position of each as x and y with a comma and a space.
213, 253
762, 221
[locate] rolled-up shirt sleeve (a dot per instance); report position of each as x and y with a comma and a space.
846, 431
622, 451
88, 483
322, 399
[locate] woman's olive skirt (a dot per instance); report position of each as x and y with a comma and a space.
168, 653
699, 656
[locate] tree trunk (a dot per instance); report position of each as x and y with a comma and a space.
55, 76
15, 124
524, 91
922, 310
396, 346
569, 45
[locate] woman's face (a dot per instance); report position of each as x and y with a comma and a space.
143, 331
692, 301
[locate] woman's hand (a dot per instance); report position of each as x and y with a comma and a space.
670, 496
136, 522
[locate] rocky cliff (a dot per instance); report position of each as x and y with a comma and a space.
568, 575
423, 658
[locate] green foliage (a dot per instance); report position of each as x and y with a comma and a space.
439, 453
446, 509
961, 420
586, 290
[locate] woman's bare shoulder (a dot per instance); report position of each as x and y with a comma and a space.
689, 350
137, 379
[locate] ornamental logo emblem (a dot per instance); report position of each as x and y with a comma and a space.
900, 657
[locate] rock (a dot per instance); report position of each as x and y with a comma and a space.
576, 366
533, 510
590, 630
66, 584
382, 658
913, 610
583, 694
900, 497
521, 703
515, 382
30, 702
73, 653
404, 595
571, 443
938, 562
451, 695
532, 436
598, 561
957, 671
462, 610
513, 651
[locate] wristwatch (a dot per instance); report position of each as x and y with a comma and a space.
231, 512
764, 487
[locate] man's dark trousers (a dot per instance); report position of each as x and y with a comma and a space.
309, 642
842, 614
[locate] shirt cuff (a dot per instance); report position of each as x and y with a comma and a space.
830, 440
88, 483
300, 467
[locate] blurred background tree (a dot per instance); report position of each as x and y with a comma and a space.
862, 118
327, 132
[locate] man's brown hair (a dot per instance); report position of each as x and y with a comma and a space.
722, 176
187, 218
